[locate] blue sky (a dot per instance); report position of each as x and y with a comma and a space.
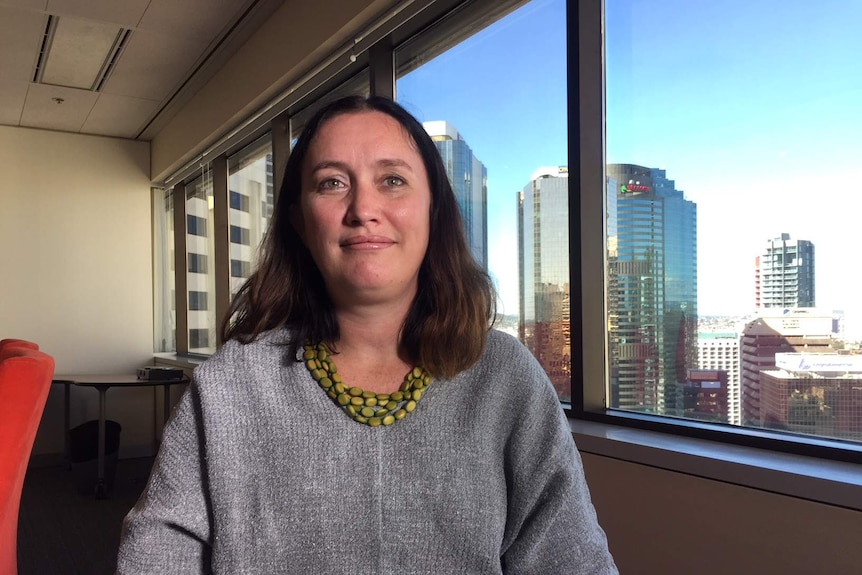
753, 107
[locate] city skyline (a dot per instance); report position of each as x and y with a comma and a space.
724, 113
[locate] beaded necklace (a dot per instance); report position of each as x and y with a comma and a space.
366, 407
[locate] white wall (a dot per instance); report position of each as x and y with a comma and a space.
77, 266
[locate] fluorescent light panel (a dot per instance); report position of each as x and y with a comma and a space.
78, 52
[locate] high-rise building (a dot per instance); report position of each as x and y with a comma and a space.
652, 253
543, 265
720, 352
469, 180
784, 274
804, 330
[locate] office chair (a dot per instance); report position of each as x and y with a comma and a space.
25, 378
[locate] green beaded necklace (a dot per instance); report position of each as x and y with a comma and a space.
366, 407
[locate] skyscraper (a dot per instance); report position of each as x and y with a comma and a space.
543, 265
469, 179
652, 255
784, 274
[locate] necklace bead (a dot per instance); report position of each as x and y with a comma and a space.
367, 407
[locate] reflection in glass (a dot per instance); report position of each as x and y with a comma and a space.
200, 243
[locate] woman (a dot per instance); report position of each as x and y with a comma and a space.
362, 417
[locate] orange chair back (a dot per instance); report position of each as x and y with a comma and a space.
25, 378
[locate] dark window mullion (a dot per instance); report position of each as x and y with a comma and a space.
221, 225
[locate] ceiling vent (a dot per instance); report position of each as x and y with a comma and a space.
79, 53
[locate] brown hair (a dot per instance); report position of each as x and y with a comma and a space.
455, 305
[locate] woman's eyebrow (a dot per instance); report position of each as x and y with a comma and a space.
394, 163
329, 164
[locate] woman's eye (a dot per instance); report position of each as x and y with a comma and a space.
331, 184
394, 181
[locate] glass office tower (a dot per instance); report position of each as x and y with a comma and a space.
652, 282
543, 265
469, 180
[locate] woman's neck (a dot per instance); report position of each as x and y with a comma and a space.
367, 350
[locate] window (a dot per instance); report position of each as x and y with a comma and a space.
239, 201
198, 300
633, 217
239, 235
502, 185
197, 263
716, 143
164, 278
201, 314
240, 269
251, 174
197, 226
199, 339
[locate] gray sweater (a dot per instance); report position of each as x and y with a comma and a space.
260, 472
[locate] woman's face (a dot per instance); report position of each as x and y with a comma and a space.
364, 209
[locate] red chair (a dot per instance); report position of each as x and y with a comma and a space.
11, 343
25, 378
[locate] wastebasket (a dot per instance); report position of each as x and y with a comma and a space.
84, 454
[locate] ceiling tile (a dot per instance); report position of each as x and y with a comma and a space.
20, 41
78, 52
12, 95
119, 116
41, 111
152, 66
126, 13
200, 20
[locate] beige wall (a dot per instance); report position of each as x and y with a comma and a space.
77, 266
660, 521
292, 41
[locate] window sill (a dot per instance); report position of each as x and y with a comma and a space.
820, 480
184, 362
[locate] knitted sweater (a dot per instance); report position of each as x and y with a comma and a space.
260, 472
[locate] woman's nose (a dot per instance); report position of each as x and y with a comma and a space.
364, 204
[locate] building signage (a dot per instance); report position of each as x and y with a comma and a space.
632, 188
825, 362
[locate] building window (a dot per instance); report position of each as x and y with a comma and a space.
238, 201
197, 226
239, 235
240, 269
197, 263
198, 300
199, 339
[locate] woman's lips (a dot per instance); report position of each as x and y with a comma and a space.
367, 242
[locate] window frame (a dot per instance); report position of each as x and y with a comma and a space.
588, 209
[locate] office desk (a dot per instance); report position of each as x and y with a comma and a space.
103, 383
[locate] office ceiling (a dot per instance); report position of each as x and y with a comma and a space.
114, 67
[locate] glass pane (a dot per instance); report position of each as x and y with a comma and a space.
513, 191
200, 247
250, 207
732, 149
164, 282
